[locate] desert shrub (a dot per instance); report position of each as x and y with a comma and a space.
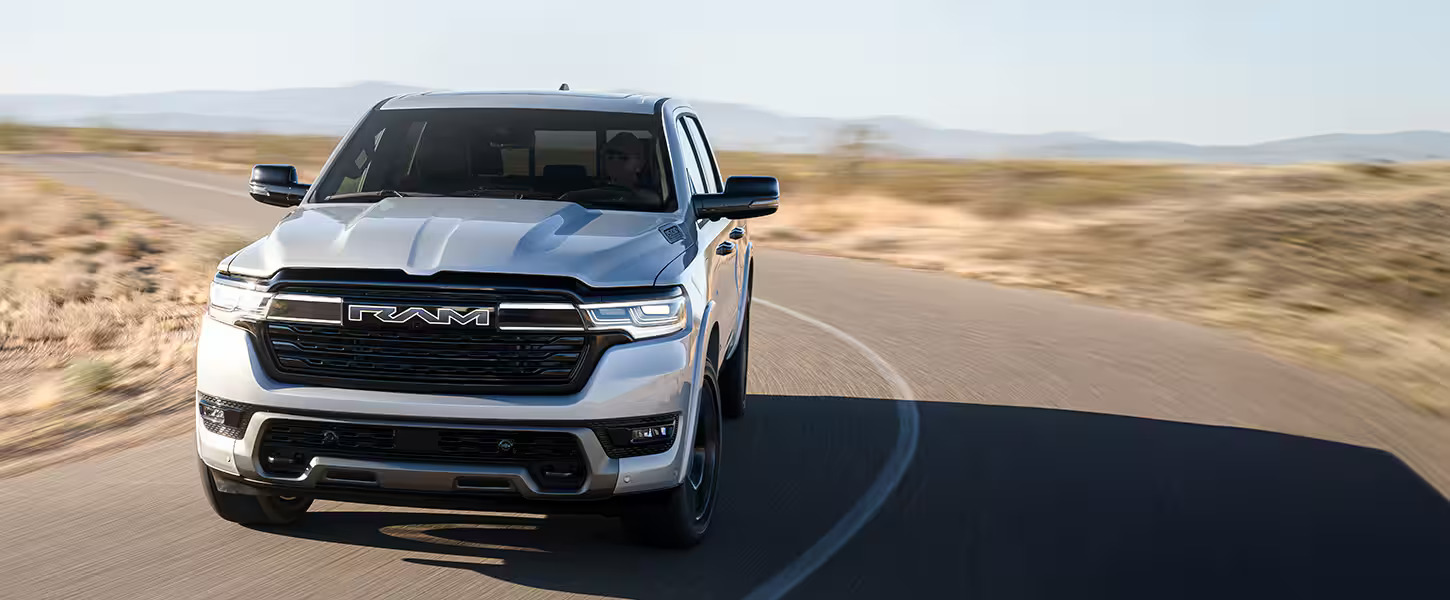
1374, 170
100, 333
125, 284
89, 376
85, 223
87, 246
17, 232
855, 152
29, 255
136, 144
65, 288
134, 246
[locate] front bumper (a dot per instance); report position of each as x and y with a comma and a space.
242, 458
650, 377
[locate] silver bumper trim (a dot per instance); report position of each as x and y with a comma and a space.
336, 472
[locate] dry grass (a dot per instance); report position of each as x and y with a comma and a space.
98, 311
17, 138
1338, 265
231, 153
996, 189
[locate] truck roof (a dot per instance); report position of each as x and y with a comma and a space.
558, 100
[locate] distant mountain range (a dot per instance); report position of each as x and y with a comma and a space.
330, 111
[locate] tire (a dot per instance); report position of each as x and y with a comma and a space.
679, 517
737, 367
247, 509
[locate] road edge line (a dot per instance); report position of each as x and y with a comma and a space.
161, 178
887, 479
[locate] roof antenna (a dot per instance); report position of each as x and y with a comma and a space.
563, 87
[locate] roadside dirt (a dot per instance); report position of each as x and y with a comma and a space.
99, 304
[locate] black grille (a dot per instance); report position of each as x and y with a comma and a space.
428, 359
546, 453
348, 438
442, 357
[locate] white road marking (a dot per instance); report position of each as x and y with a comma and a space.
908, 430
161, 178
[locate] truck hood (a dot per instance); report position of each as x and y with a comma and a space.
422, 236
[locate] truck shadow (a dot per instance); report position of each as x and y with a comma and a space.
999, 502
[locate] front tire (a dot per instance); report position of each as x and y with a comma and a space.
680, 516
247, 509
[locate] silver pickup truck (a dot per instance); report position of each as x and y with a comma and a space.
529, 301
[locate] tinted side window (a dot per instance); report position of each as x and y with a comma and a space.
710, 171
692, 160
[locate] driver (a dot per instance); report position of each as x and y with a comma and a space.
624, 165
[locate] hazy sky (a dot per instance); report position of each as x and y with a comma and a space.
1211, 71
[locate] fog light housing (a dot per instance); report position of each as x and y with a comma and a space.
638, 436
223, 417
653, 433
214, 415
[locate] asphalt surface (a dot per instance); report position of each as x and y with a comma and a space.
1056, 450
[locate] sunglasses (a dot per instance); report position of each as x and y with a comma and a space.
616, 155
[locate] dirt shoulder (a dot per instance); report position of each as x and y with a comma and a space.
98, 328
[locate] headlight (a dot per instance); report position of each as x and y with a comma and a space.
640, 319
234, 298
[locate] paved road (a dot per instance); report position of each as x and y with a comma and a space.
1054, 450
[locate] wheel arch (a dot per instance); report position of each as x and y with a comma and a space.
712, 346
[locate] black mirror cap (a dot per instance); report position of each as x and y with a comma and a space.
745, 196
276, 185
752, 185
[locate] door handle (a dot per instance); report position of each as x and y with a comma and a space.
724, 248
737, 233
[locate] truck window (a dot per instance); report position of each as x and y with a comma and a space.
709, 170
692, 160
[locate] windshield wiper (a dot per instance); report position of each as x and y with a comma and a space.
376, 194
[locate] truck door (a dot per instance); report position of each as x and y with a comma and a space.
719, 247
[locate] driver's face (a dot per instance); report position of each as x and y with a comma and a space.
622, 166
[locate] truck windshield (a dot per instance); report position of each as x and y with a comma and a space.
598, 159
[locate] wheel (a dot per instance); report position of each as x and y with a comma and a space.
737, 366
680, 516
248, 509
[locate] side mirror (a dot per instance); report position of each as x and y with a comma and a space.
277, 185
745, 196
